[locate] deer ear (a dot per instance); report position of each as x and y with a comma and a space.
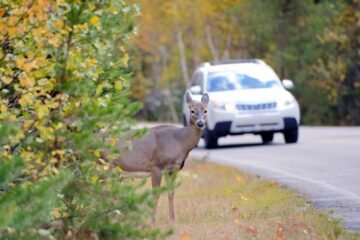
205, 98
188, 97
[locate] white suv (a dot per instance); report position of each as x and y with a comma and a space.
246, 96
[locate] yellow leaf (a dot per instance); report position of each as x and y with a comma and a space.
125, 60
31, 65
12, 31
118, 85
58, 126
97, 153
27, 156
18, 136
40, 44
3, 108
26, 99
184, 236
26, 81
6, 80
37, 32
113, 141
2, 12
27, 124
20, 62
55, 213
59, 23
12, 20
93, 61
42, 111
46, 133
53, 105
55, 170
60, 2
94, 179
54, 41
94, 20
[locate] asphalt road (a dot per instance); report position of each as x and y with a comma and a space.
324, 165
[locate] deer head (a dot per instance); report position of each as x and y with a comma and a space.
198, 110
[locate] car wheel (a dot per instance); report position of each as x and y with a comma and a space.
211, 140
267, 137
291, 135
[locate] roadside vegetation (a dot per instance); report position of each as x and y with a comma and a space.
218, 202
64, 78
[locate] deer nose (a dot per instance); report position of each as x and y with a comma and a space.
200, 123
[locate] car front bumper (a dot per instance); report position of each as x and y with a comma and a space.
227, 123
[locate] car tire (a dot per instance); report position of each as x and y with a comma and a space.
291, 135
267, 137
211, 141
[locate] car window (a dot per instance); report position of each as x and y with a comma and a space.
232, 80
220, 83
245, 82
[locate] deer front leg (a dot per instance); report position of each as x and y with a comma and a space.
171, 193
156, 175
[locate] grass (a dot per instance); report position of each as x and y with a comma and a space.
218, 202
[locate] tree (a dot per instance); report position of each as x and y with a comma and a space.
64, 79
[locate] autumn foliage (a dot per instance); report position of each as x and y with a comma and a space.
310, 42
64, 79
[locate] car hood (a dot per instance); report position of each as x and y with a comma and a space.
251, 96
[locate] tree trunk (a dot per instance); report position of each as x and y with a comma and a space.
183, 62
226, 52
169, 101
167, 91
213, 50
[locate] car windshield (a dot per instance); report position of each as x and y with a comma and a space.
230, 80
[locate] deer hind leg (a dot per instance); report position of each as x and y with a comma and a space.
156, 176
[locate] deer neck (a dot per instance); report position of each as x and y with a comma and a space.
190, 136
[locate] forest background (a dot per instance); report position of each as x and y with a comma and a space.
314, 43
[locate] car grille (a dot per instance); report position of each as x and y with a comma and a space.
255, 107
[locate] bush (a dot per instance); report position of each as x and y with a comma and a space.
64, 77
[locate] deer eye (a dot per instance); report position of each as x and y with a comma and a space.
205, 111
192, 111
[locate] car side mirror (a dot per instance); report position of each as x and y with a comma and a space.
196, 89
288, 84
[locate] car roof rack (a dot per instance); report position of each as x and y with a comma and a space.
232, 61
241, 60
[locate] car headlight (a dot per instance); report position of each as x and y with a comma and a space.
231, 107
288, 102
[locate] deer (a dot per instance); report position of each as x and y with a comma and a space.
164, 148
